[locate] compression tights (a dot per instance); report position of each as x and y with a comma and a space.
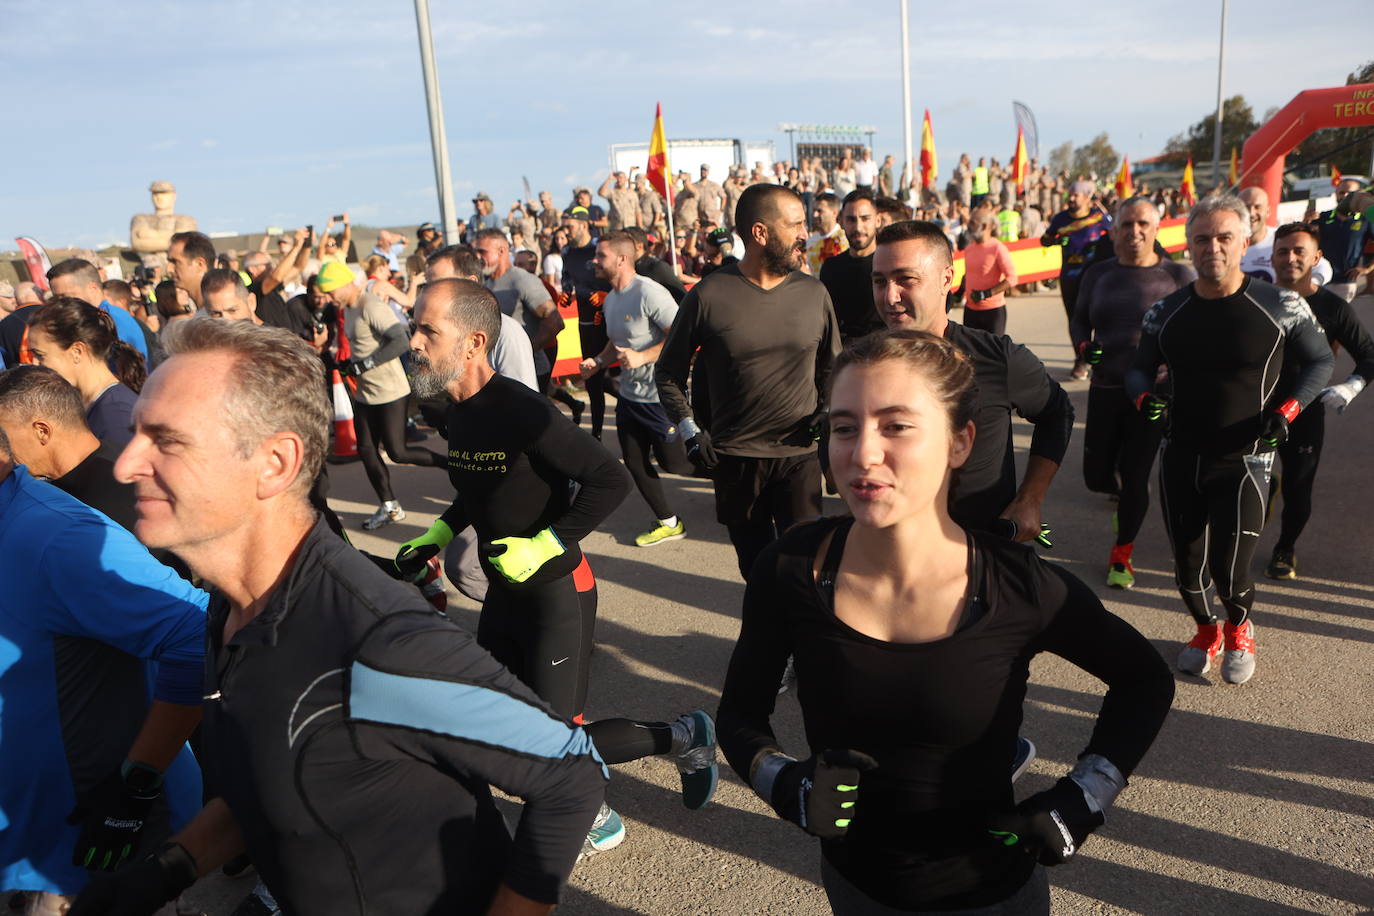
543, 634
384, 425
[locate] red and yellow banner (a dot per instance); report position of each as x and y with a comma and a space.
658, 171
930, 165
1034, 261
1188, 189
1124, 187
1019, 164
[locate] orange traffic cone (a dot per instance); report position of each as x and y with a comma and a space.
345, 440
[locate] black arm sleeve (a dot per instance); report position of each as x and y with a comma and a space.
604, 482
420, 688
756, 668
1081, 327
1140, 687
675, 359
1344, 325
395, 342
1306, 345
1041, 400
1140, 378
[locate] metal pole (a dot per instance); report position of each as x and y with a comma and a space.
1216, 134
908, 165
438, 138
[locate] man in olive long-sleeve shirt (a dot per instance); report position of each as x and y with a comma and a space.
767, 337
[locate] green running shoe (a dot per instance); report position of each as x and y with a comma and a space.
694, 752
607, 832
662, 534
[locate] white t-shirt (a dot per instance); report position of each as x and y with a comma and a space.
1258, 262
866, 172
553, 264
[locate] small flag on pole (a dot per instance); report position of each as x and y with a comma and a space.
930, 166
1233, 176
1187, 188
1019, 165
658, 171
1124, 188
1335, 176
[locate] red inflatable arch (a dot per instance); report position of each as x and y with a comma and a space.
1310, 111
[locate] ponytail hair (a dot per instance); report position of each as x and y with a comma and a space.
68, 320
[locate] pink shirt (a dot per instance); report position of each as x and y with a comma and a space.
986, 265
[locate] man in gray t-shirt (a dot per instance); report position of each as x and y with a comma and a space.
638, 314
519, 294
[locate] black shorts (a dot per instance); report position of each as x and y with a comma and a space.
649, 417
752, 489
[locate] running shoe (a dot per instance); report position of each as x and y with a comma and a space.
1024, 756
1238, 664
662, 535
1120, 572
1197, 656
607, 832
1080, 371
431, 584
1282, 565
386, 513
694, 752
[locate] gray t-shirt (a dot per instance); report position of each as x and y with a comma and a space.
512, 355
518, 293
638, 317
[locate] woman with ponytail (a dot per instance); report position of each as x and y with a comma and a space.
80, 343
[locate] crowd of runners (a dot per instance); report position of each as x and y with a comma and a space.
208, 674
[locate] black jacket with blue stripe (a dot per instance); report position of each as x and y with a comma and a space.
354, 733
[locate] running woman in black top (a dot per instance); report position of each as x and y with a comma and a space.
1295, 255
1119, 445
912, 639
1244, 358
513, 459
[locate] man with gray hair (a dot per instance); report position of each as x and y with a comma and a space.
395, 720
1244, 358
1077, 229
7, 303
1259, 254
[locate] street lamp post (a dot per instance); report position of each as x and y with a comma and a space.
1216, 134
438, 137
908, 165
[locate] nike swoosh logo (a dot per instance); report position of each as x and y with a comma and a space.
562, 660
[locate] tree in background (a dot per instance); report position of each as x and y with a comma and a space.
1237, 124
1097, 158
1353, 159
1061, 157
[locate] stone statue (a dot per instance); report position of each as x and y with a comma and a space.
151, 233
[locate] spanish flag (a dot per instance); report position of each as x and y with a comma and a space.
930, 166
1018, 161
1233, 175
1335, 176
1124, 188
1187, 188
658, 171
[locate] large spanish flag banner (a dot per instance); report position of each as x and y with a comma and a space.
1233, 173
1019, 165
930, 165
1124, 187
1034, 261
1187, 188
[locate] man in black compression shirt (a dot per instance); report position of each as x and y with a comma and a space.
1294, 257
913, 270
848, 276
1119, 445
589, 294
513, 458
767, 336
349, 731
1244, 358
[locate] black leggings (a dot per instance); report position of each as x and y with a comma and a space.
1214, 510
1119, 448
992, 320
379, 425
1068, 292
593, 342
1300, 456
543, 634
639, 447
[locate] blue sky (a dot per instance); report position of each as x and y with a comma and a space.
282, 113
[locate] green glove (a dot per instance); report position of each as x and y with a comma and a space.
519, 558
414, 554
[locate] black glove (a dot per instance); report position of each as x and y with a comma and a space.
1091, 351
808, 430
819, 794
1152, 406
1273, 430
978, 295
111, 817
701, 452
356, 367
140, 889
1050, 825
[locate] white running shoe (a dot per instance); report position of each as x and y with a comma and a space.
388, 512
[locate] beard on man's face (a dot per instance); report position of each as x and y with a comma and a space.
429, 381
781, 256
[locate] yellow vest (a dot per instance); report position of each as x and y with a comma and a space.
980, 180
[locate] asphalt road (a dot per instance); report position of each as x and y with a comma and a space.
1255, 800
